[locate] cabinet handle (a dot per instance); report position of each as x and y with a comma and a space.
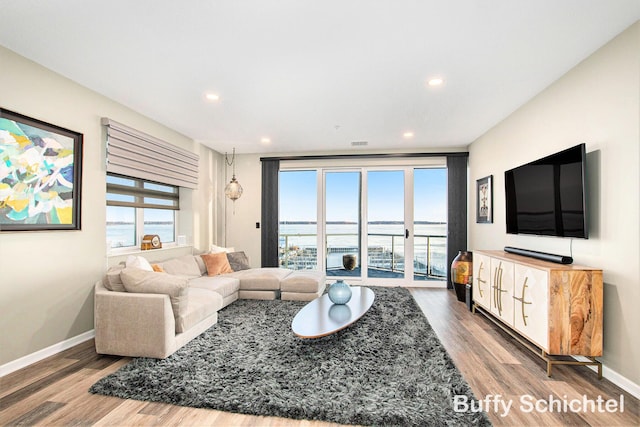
495, 288
480, 280
500, 290
523, 302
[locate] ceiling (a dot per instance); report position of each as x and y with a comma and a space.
316, 75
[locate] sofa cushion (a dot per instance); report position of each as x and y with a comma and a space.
149, 282
134, 261
224, 285
201, 304
113, 282
266, 278
182, 266
238, 261
201, 265
303, 281
216, 263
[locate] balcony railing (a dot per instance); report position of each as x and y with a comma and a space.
299, 251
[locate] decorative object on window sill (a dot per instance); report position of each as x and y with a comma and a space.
233, 190
150, 241
339, 292
461, 273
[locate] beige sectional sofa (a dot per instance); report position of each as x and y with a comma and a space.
142, 313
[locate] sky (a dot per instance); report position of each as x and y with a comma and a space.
298, 195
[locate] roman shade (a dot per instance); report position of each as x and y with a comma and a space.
138, 155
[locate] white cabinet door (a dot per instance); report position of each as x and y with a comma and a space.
502, 290
531, 304
482, 280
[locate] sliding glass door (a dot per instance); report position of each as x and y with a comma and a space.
430, 224
372, 224
342, 228
386, 230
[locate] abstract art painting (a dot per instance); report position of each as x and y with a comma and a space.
40, 175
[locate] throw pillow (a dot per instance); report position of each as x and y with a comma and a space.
217, 249
112, 280
238, 261
149, 282
201, 266
216, 263
182, 266
138, 262
157, 268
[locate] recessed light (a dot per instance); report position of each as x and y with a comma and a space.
212, 96
265, 140
436, 81
408, 135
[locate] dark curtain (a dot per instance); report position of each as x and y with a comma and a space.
269, 246
457, 208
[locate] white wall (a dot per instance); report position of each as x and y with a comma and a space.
47, 277
242, 215
598, 103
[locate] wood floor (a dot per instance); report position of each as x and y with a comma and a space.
54, 392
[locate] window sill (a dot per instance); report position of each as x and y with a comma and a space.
117, 252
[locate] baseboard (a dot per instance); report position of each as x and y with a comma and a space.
619, 380
39, 355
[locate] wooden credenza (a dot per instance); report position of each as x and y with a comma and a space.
555, 307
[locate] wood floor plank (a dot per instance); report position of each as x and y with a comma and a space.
35, 415
19, 379
54, 391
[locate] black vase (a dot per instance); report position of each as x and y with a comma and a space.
349, 261
461, 273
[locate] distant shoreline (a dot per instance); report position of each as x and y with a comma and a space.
354, 223
295, 222
146, 222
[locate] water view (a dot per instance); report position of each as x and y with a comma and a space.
123, 234
298, 247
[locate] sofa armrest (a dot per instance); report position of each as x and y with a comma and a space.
133, 324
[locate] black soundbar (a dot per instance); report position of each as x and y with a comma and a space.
559, 259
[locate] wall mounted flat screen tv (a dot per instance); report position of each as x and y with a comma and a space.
547, 196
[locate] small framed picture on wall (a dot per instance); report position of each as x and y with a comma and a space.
484, 200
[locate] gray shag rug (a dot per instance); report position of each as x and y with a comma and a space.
388, 368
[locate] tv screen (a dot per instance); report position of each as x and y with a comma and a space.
547, 197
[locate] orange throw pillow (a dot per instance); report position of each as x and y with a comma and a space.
157, 268
216, 263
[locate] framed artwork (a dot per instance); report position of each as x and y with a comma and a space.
40, 175
484, 200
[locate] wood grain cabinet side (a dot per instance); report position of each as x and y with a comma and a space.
556, 307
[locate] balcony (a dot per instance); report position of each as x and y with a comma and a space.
385, 256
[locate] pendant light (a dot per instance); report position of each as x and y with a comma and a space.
233, 190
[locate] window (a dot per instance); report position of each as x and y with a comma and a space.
298, 227
136, 207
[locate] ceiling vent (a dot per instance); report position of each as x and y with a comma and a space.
359, 143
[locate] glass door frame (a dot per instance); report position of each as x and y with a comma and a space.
408, 241
407, 171
407, 165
